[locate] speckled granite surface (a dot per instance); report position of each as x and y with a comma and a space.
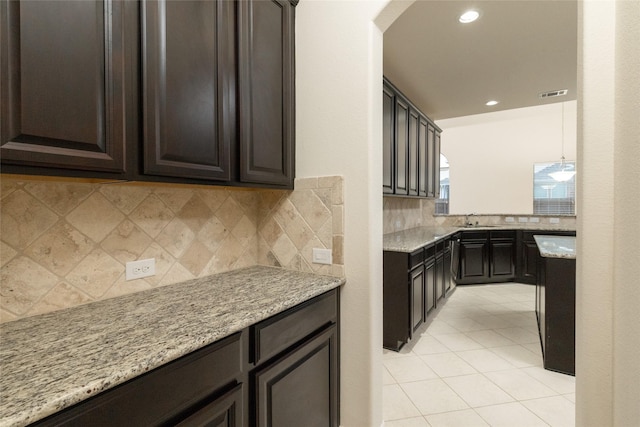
556, 246
415, 238
55, 360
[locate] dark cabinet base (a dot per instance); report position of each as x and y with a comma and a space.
556, 313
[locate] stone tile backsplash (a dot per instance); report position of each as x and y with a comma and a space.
405, 213
65, 243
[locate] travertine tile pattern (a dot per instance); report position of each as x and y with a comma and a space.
292, 224
64, 243
55, 360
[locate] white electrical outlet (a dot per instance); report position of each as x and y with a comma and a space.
141, 268
509, 219
554, 220
321, 256
523, 219
534, 219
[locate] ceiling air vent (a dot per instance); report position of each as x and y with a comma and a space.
553, 93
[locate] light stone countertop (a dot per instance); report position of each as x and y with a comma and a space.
52, 361
556, 246
414, 238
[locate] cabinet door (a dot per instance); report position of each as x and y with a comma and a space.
188, 88
431, 143
447, 271
436, 164
424, 167
225, 411
530, 255
430, 286
388, 154
474, 260
416, 279
503, 263
266, 85
66, 78
300, 388
402, 146
439, 277
414, 120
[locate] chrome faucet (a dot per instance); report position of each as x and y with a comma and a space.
467, 221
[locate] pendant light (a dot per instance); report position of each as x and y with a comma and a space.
563, 174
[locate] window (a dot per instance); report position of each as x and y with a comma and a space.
552, 196
442, 203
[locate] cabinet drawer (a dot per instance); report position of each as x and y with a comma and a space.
416, 258
429, 252
503, 234
281, 331
475, 235
156, 397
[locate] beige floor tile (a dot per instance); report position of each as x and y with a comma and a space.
458, 342
556, 411
448, 364
406, 369
489, 338
387, 378
396, 404
428, 344
466, 418
433, 397
520, 385
519, 335
561, 383
477, 390
510, 415
484, 360
518, 356
408, 422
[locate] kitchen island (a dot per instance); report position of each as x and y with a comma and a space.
53, 361
556, 301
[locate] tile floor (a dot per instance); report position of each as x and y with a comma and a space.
477, 363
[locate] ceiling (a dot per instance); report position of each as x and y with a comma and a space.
514, 51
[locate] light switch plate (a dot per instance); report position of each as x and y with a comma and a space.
509, 219
523, 219
554, 220
534, 219
321, 256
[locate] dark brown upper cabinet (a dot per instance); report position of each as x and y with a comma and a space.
195, 91
424, 158
402, 146
66, 78
414, 121
188, 88
411, 147
388, 150
266, 73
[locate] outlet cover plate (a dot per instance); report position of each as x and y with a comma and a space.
141, 268
321, 256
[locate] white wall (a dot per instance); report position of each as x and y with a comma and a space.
607, 293
492, 155
338, 132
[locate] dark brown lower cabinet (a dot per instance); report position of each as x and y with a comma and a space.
556, 313
300, 388
283, 371
528, 255
413, 285
170, 394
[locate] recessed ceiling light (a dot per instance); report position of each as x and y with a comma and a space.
491, 103
469, 16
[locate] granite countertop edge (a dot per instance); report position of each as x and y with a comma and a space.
414, 238
52, 361
563, 247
